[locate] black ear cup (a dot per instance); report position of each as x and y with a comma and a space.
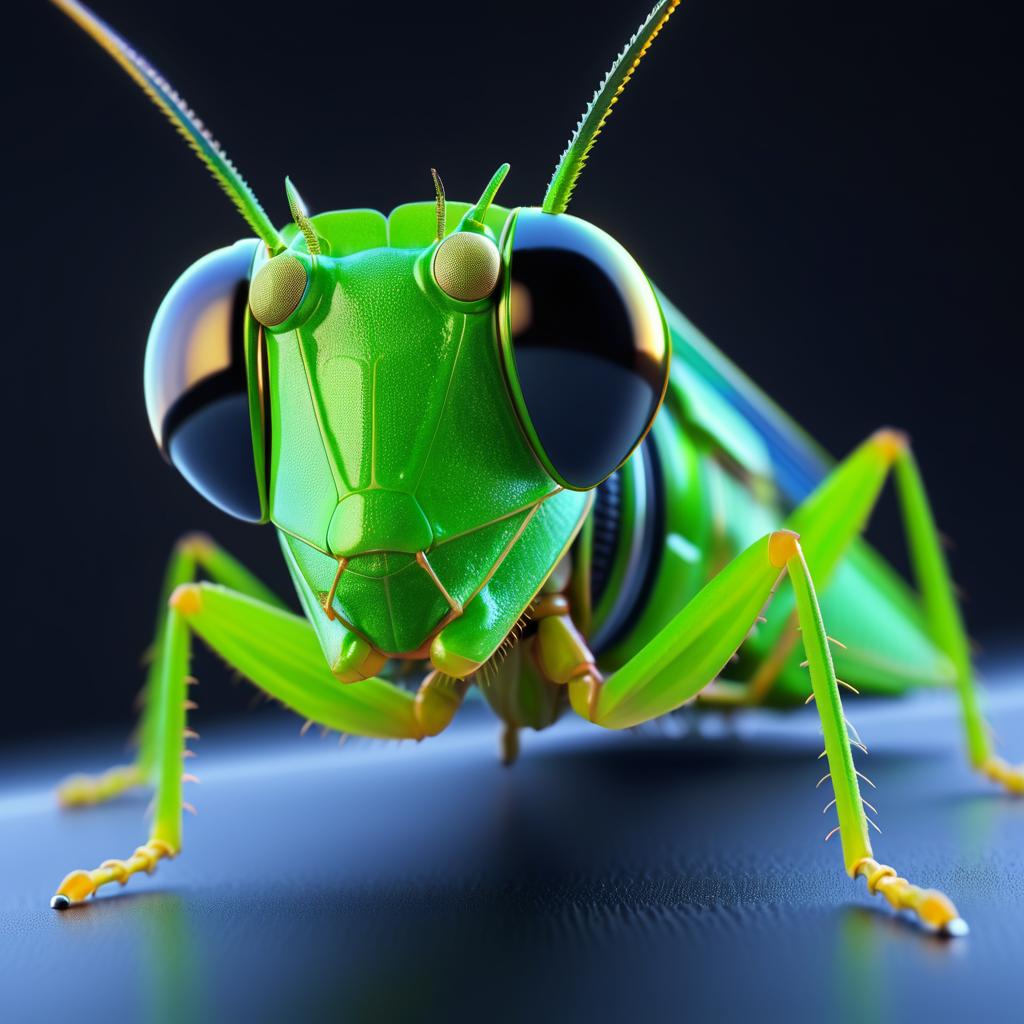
584, 343
202, 406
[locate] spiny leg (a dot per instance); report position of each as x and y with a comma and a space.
193, 553
837, 512
279, 653
170, 670
698, 643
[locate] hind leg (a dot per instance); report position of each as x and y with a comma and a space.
836, 514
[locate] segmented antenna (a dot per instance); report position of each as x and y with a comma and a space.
163, 94
571, 164
442, 209
301, 217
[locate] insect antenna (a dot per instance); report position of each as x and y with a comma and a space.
181, 116
301, 217
442, 209
571, 164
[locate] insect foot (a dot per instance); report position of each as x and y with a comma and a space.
934, 909
80, 885
88, 790
1007, 775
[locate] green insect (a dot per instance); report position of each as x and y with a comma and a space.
463, 424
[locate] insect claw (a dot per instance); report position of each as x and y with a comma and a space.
832, 833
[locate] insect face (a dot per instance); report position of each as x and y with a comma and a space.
407, 408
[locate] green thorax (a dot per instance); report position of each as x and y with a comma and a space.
395, 453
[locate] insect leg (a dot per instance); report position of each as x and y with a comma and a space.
836, 513
280, 653
944, 619
169, 675
695, 646
193, 554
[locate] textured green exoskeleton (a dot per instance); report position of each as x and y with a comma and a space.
464, 423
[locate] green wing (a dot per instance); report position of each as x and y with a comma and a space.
796, 462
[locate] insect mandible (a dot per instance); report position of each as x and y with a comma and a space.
388, 392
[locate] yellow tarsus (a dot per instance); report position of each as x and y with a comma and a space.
86, 790
933, 908
80, 885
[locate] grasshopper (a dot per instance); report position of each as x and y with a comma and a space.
485, 468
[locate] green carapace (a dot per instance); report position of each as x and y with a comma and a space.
495, 456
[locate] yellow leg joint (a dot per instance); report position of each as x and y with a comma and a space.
934, 909
80, 885
1005, 774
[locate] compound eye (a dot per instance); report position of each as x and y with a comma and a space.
277, 289
466, 266
196, 381
584, 345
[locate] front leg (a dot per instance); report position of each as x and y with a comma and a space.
694, 648
194, 554
167, 739
280, 653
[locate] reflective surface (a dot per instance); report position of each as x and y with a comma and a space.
585, 345
195, 380
650, 876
